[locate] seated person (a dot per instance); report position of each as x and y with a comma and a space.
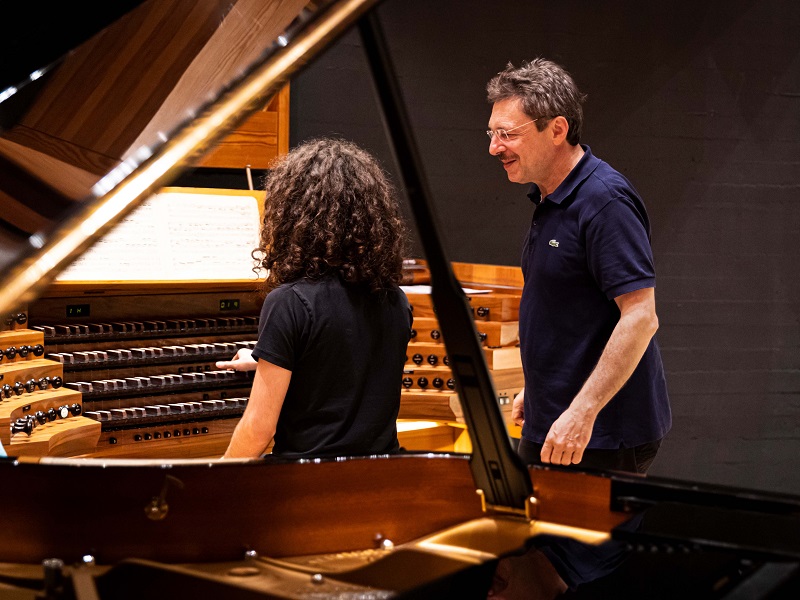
334, 325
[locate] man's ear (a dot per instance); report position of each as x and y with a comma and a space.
559, 128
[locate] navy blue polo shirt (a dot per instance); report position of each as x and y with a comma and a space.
589, 242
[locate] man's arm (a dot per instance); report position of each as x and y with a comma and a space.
570, 433
257, 425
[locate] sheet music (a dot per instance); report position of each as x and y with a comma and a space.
176, 235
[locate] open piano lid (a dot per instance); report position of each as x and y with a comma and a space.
98, 137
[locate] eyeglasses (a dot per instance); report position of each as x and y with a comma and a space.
505, 134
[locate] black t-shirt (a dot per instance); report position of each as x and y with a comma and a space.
346, 349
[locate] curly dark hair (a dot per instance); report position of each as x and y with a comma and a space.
545, 89
330, 207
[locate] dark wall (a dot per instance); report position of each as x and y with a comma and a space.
698, 103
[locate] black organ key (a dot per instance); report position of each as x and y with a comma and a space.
65, 358
118, 414
84, 387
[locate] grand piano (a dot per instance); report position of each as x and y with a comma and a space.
87, 139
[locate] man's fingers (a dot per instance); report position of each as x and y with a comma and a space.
547, 452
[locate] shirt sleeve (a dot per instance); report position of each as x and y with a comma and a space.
283, 328
618, 249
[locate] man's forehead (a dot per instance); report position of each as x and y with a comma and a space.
507, 112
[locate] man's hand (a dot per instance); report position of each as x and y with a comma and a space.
518, 409
241, 361
567, 438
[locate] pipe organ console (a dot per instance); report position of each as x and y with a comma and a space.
127, 370
116, 369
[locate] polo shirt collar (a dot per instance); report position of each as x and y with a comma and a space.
585, 167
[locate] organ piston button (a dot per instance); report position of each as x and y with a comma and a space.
435, 334
41, 417
23, 351
482, 311
407, 382
432, 359
451, 383
75, 409
63, 411
438, 382
422, 382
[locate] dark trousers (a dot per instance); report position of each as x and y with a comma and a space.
634, 460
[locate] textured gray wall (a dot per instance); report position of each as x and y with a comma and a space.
698, 103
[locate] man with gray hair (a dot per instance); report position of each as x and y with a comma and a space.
595, 393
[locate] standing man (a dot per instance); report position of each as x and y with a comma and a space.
595, 393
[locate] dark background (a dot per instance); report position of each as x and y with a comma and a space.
698, 103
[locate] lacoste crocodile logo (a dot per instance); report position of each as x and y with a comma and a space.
553, 243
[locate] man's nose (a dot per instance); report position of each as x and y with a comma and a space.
495, 146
